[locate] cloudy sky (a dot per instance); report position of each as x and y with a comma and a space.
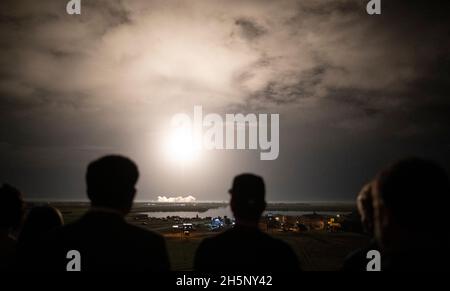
353, 91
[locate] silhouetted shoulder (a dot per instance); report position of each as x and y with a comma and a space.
123, 231
245, 250
149, 236
7, 253
107, 244
144, 232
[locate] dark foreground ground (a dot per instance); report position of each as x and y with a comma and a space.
316, 250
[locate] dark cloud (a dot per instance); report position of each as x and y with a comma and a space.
374, 65
279, 93
250, 29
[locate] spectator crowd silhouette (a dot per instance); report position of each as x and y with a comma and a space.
403, 209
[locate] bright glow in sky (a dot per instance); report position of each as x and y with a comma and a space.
180, 147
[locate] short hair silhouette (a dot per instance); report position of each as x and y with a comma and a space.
245, 247
39, 221
111, 182
104, 238
414, 186
248, 197
11, 207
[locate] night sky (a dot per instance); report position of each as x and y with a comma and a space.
353, 91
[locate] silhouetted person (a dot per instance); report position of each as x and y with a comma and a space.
357, 261
38, 223
411, 200
11, 212
245, 247
105, 241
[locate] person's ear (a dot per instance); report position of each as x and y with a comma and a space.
133, 193
89, 195
232, 204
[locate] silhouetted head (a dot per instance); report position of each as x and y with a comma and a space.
39, 221
248, 198
111, 182
364, 204
11, 207
410, 199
